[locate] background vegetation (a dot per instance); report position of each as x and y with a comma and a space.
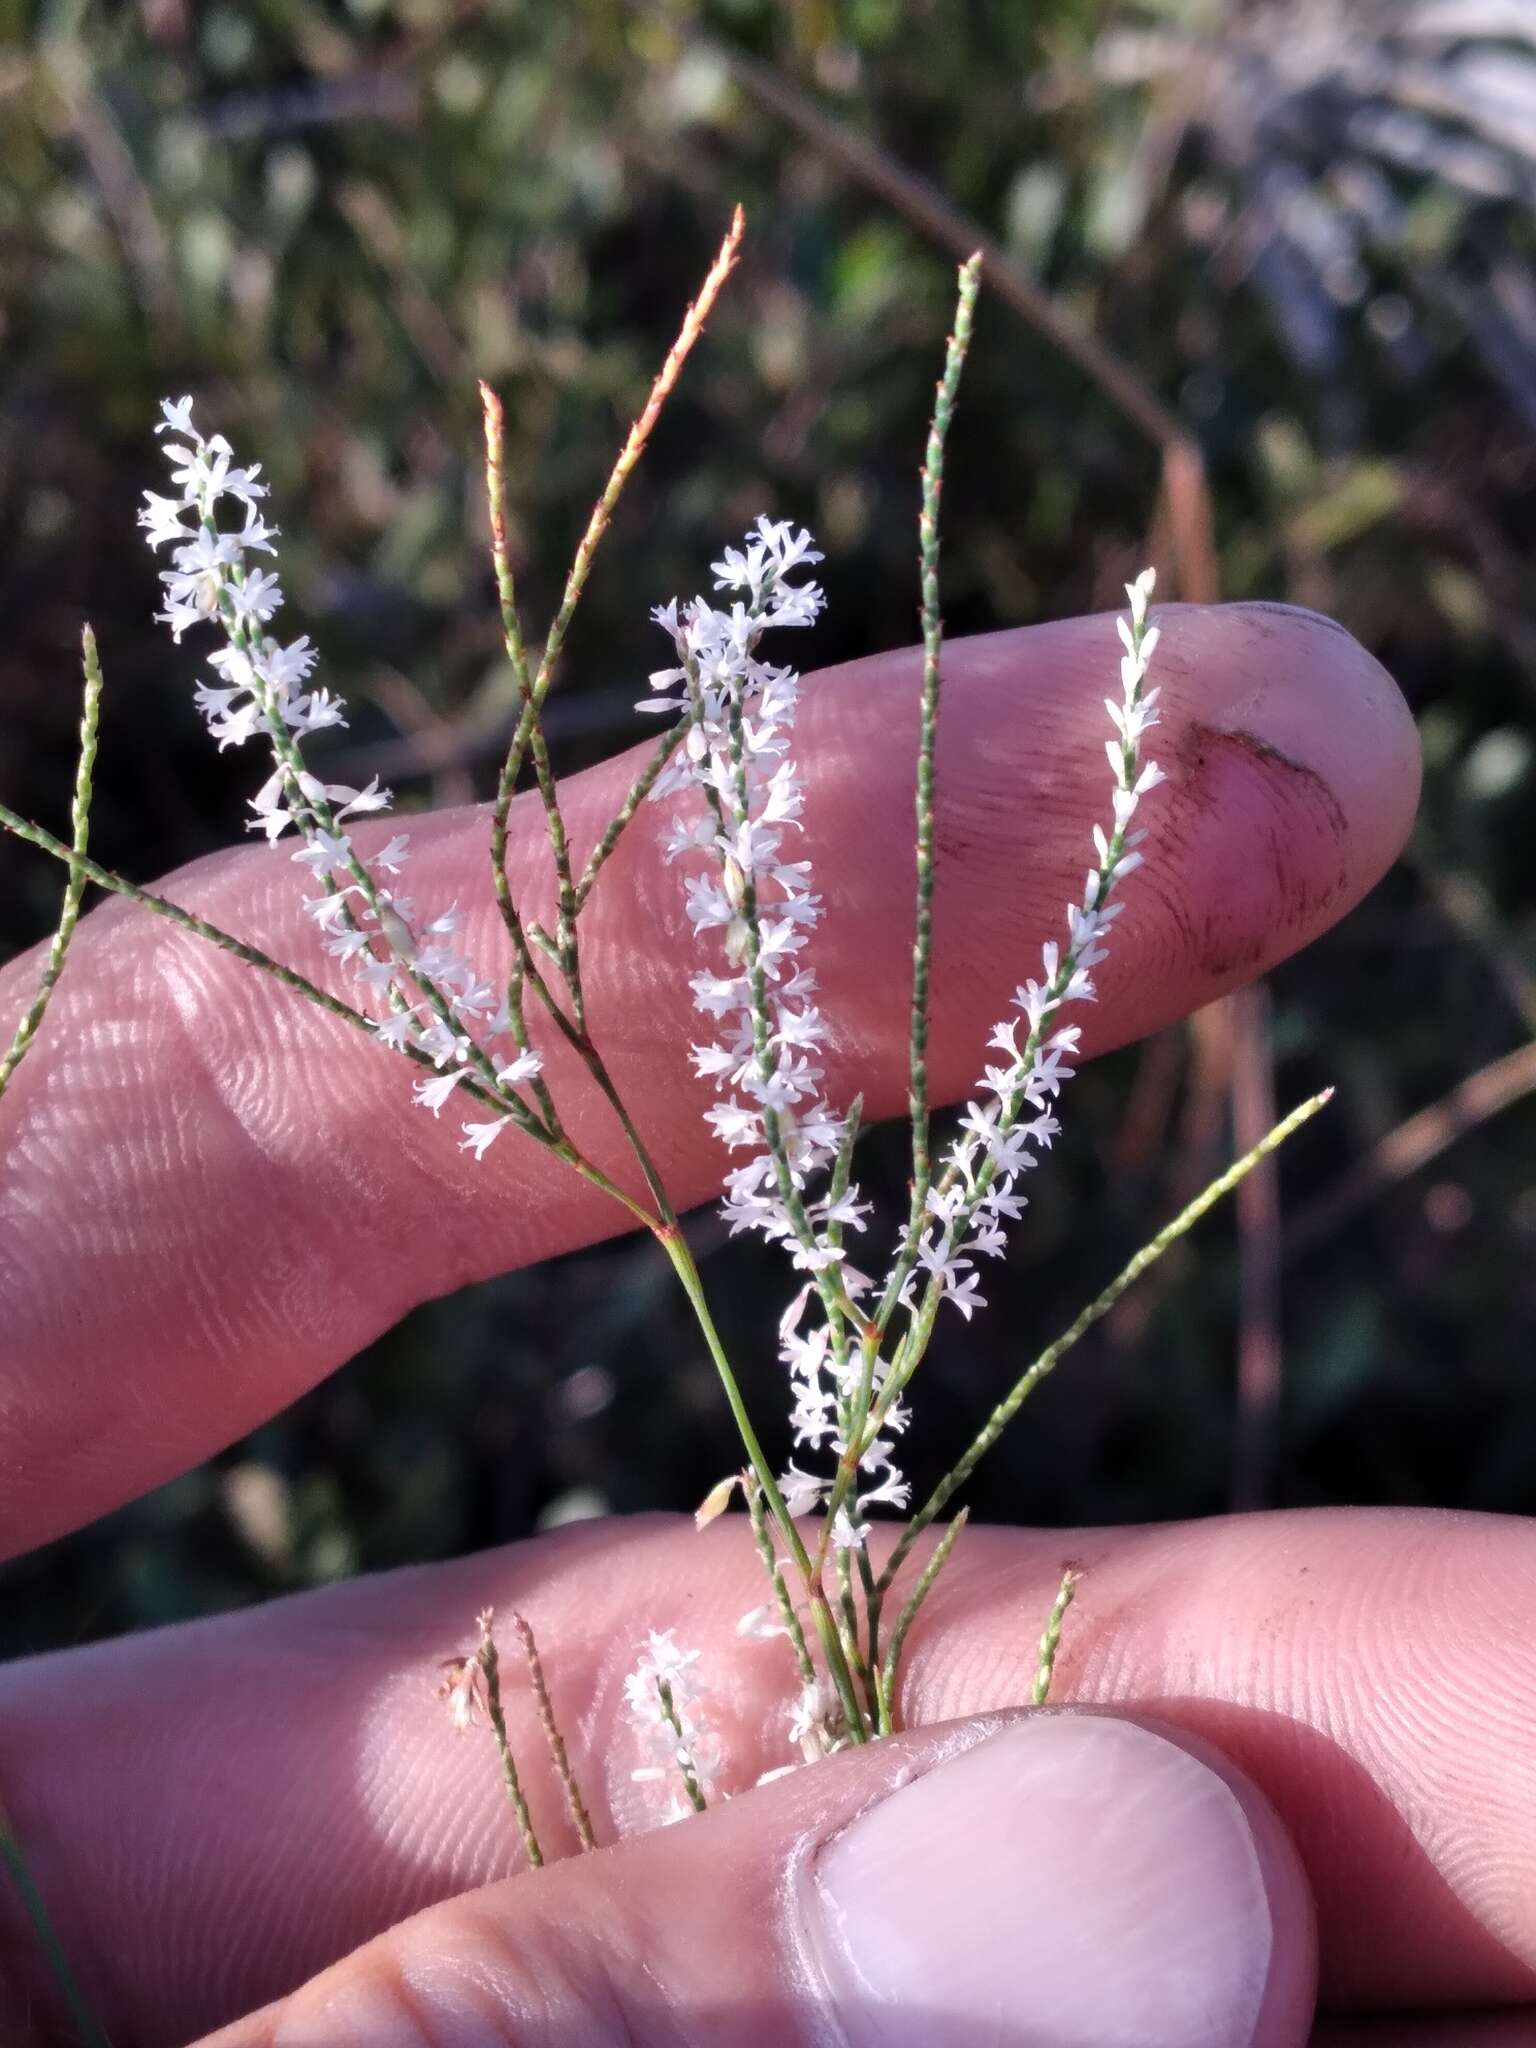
1303, 232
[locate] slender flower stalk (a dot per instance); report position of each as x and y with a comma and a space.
559, 1756
925, 1584
79, 874
1002, 1136
533, 690
429, 998
470, 1688
490, 1670
933, 642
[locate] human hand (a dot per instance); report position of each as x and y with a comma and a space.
211, 1200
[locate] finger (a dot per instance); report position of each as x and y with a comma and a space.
1047, 1881
214, 1193
217, 1811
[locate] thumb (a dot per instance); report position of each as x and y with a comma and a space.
1052, 1880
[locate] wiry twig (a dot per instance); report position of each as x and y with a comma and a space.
933, 642
490, 1668
559, 1756
597, 525
74, 888
918, 1595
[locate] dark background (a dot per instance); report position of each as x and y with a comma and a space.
1305, 233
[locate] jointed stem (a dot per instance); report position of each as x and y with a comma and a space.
74, 888
775, 1571
856, 1417
933, 641
908, 1614
576, 1806
490, 1668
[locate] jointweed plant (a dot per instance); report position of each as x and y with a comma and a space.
843, 1581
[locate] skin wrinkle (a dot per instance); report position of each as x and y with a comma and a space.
264, 1239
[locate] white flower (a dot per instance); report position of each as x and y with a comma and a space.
433, 1093
803, 1492
175, 416
963, 1293
257, 598
523, 1068
478, 1138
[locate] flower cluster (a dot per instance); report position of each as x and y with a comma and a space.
433, 1002
761, 910
1000, 1139
758, 907
825, 1389
665, 1701
1002, 1135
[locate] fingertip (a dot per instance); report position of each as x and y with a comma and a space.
1311, 700
1072, 1878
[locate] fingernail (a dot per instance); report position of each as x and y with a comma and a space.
1072, 1882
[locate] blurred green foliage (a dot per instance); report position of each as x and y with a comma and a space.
326, 217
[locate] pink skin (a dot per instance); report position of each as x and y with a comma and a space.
219, 1811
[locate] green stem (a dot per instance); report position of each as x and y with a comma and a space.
1099, 1307
1050, 1641
635, 796
685, 1768
534, 692
490, 1668
933, 641
913, 1346
576, 1806
88, 2031
772, 1567
920, 1592
74, 888
676, 1248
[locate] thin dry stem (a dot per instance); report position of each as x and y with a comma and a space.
490, 1667
575, 1804
74, 889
